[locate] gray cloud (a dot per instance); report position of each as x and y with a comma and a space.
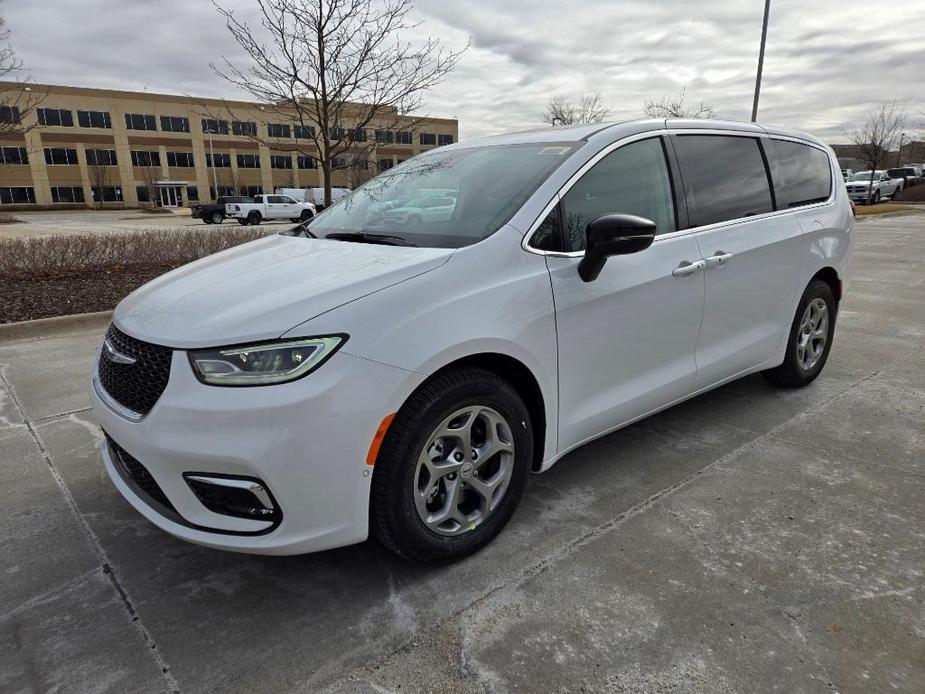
827, 62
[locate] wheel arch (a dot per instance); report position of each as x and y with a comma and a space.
829, 275
524, 382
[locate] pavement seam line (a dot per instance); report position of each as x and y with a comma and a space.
48, 417
617, 521
97, 546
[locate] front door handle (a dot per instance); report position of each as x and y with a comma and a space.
719, 258
688, 268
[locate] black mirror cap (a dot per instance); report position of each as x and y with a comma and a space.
613, 234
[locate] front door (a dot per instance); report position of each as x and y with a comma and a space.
626, 339
170, 196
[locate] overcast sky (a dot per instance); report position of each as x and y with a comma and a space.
827, 61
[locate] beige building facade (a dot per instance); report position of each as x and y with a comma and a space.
118, 148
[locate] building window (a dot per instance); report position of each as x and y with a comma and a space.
59, 156
180, 159
427, 139
67, 194
219, 161
305, 162
143, 193
359, 135
304, 132
403, 138
107, 194
55, 116
223, 191
385, 137
101, 157
192, 193
444, 140
277, 130
145, 158
94, 119
13, 155
251, 191
385, 164
174, 124
19, 195
338, 163
280, 161
337, 133
140, 121
217, 127
9, 114
241, 127
248, 161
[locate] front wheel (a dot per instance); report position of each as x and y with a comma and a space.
305, 216
810, 338
243, 222
452, 468
254, 218
877, 198
217, 218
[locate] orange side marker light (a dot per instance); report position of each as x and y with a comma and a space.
378, 439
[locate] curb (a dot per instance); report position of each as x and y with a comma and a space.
44, 327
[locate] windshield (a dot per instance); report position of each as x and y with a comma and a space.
864, 176
898, 173
445, 198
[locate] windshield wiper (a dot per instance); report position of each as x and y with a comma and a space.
365, 237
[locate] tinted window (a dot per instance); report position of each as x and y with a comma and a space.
240, 127
630, 180
94, 119
801, 173
724, 177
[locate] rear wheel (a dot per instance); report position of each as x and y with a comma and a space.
217, 218
254, 218
810, 338
876, 198
243, 222
206, 220
452, 468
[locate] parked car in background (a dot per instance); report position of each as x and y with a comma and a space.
433, 208
270, 207
846, 174
883, 186
214, 212
314, 387
313, 195
908, 174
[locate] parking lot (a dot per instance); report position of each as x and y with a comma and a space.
751, 539
66, 222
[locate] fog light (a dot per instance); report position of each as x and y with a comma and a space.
240, 497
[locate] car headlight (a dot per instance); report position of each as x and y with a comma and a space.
265, 363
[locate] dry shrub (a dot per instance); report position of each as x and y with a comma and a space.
58, 256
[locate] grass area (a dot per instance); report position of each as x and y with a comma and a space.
50, 276
884, 208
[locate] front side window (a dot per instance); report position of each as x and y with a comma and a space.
633, 180
724, 177
446, 198
802, 174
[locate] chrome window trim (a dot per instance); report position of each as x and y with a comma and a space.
563, 190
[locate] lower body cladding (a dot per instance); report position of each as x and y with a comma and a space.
275, 469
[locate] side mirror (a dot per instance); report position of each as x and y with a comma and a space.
613, 234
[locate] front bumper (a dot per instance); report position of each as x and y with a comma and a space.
306, 441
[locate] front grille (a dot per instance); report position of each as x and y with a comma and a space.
137, 473
135, 386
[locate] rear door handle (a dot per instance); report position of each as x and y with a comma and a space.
688, 268
718, 258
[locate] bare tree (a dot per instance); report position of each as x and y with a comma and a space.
335, 67
359, 169
99, 177
877, 136
150, 175
18, 95
678, 107
588, 109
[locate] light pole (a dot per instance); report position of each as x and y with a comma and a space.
764, 37
212, 158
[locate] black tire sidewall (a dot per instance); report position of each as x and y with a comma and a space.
416, 423
217, 218
816, 290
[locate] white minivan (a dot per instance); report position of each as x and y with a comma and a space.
372, 374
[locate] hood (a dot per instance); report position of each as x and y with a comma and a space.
259, 290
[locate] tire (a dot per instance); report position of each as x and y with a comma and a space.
799, 368
896, 192
876, 199
243, 222
254, 218
399, 500
305, 216
217, 218
206, 220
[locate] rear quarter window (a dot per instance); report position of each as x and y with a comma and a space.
724, 177
802, 174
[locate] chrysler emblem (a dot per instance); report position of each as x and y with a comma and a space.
114, 355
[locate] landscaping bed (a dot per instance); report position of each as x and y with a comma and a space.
58, 276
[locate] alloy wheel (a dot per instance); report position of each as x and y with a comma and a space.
463, 471
813, 334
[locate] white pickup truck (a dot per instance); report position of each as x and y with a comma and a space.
270, 207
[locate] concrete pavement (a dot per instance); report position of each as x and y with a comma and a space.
752, 539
